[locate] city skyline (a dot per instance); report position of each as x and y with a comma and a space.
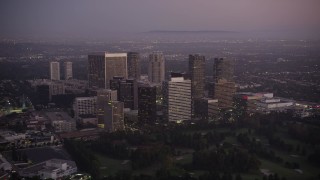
170, 89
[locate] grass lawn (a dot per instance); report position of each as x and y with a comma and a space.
184, 159
285, 172
151, 170
231, 140
110, 166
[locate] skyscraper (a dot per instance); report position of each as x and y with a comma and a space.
197, 74
113, 116
156, 69
54, 70
223, 69
206, 108
104, 96
104, 66
223, 88
223, 91
147, 105
127, 91
68, 70
133, 65
177, 99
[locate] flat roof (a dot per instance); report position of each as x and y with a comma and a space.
58, 116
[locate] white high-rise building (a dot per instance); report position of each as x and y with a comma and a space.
68, 70
156, 69
54, 70
177, 99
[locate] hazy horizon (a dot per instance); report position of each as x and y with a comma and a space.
97, 18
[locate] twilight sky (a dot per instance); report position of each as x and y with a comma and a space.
96, 18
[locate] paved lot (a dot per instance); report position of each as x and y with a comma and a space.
37, 155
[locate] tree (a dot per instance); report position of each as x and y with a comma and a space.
238, 177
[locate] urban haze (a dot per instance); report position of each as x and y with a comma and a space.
180, 89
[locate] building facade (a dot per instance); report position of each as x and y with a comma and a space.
206, 108
133, 65
114, 116
223, 86
104, 96
50, 169
54, 70
127, 91
177, 99
61, 121
147, 103
104, 66
156, 69
84, 106
197, 75
223, 91
68, 70
223, 69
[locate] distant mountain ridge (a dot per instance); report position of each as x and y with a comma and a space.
204, 31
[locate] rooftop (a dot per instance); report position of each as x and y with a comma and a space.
58, 116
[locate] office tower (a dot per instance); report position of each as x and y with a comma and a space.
177, 99
223, 91
147, 103
84, 106
115, 83
104, 66
133, 65
127, 91
68, 70
104, 96
223, 88
223, 69
156, 69
54, 70
206, 108
113, 116
96, 70
197, 74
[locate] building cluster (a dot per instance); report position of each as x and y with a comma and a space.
55, 70
118, 91
26, 140
265, 103
50, 169
61, 121
47, 89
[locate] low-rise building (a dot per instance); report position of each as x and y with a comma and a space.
53, 168
84, 106
262, 102
61, 121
